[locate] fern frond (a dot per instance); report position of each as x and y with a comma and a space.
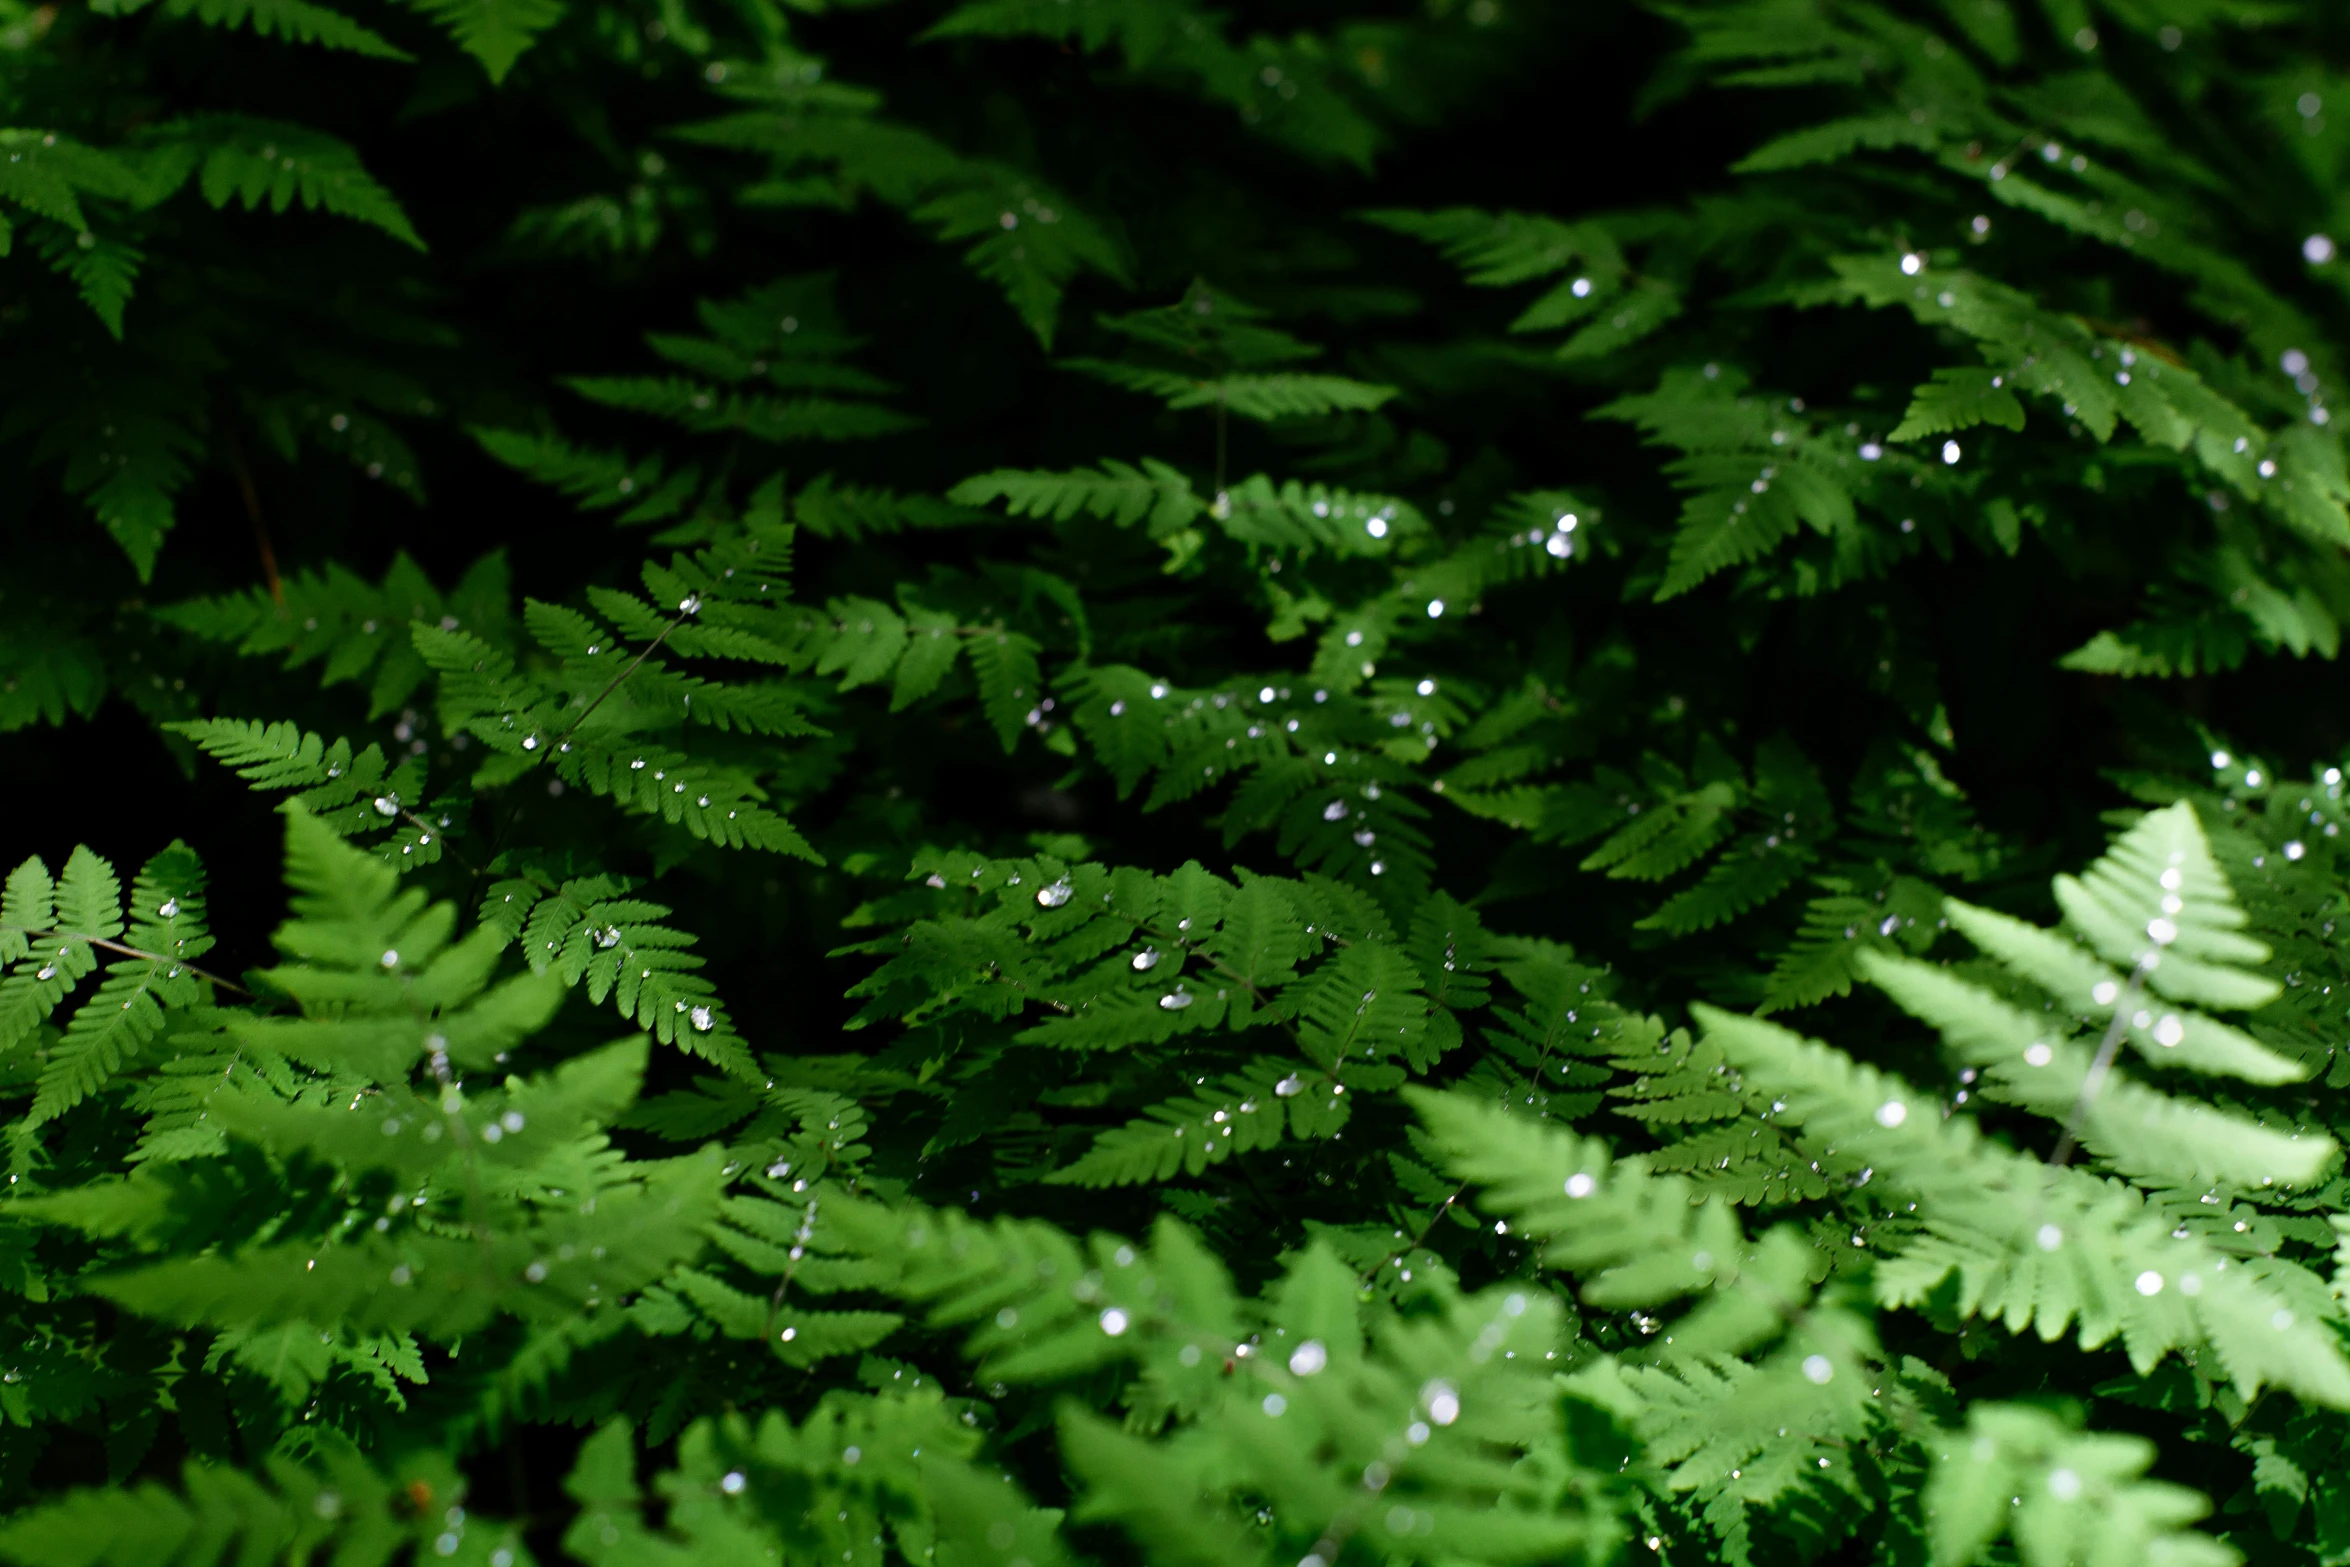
125, 1013
1121, 493
2033, 1245
252, 161
2063, 1494
495, 32
298, 21
593, 934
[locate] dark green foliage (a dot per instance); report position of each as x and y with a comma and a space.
1012, 783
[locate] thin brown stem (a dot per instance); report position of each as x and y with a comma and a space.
252, 497
133, 952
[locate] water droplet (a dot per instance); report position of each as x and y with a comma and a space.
702, 1020
387, 805
1175, 1000
1053, 896
1146, 960
391, 959
169, 909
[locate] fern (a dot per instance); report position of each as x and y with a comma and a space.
1154, 494
251, 161
1300, 690
592, 934
495, 32
336, 1498
295, 20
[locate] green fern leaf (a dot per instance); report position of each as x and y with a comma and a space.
1957, 399
297, 21
1154, 494
254, 161
494, 32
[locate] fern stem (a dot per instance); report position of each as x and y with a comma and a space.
2107, 1049
618, 680
131, 952
252, 500
564, 738
1421, 1239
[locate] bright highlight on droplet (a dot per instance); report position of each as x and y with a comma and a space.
2063, 1484
2105, 992
2150, 1283
1817, 1370
2317, 250
1950, 452
2050, 1237
1310, 1358
1912, 264
1892, 1113
2169, 1031
1113, 1322
2038, 1054
1581, 1185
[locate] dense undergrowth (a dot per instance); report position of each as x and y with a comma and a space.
1050, 781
